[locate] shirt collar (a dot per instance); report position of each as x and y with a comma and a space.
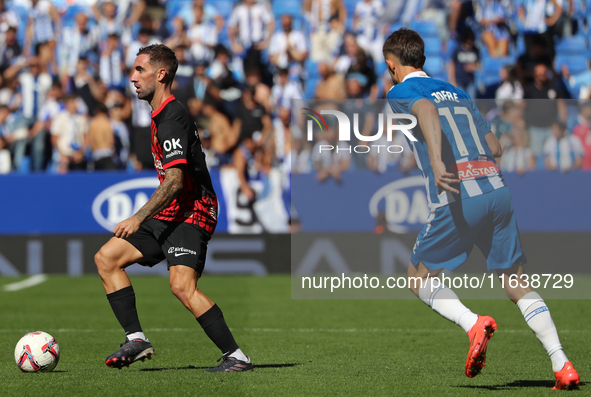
418, 73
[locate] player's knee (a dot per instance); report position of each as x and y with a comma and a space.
104, 261
181, 291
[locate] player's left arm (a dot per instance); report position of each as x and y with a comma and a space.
168, 190
428, 119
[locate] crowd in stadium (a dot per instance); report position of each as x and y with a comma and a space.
66, 102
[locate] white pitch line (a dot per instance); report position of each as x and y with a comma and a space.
303, 330
29, 282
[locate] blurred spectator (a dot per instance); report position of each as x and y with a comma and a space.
40, 154
8, 19
85, 86
364, 110
344, 62
120, 133
203, 37
368, 28
328, 161
210, 14
114, 20
282, 139
535, 24
178, 35
492, 16
43, 26
112, 64
212, 158
535, 54
77, 41
68, 137
223, 90
519, 157
544, 105
301, 157
250, 162
461, 12
199, 83
464, 63
510, 88
262, 92
182, 87
284, 91
250, 27
328, 48
326, 18
33, 87
355, 60
140, 145
6, 124
10, 50
332, 85
224, 138
144, 38
288, 47
251, 117
562, 152
101, 140
5, 161
502, 125
583, 131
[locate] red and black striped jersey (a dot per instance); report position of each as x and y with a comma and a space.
175, 141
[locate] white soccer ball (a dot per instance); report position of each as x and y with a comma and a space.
37, 352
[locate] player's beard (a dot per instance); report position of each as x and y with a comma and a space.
146, 93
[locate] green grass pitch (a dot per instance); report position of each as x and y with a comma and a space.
299, 347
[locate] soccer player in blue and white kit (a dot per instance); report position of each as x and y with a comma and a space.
469, 202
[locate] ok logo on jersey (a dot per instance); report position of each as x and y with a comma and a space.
171, 144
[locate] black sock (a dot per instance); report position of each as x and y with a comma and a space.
123, 305
214, 325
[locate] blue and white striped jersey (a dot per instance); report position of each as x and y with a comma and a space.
463, 150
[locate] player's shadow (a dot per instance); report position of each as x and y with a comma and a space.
286, 365
518, 384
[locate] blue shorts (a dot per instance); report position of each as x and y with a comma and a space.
487, 221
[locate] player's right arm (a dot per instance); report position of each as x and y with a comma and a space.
494, 144
428, 119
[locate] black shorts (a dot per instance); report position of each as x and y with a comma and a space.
180, 243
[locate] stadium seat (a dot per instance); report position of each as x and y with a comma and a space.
312, 68
434, 65
69, 16
424, 28
576, 63
291, 7
433, 46
224, 7
311, 84
493, 65
571, 45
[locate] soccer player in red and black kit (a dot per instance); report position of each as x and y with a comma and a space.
175, 224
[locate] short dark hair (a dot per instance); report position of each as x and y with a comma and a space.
162, 57
406, 45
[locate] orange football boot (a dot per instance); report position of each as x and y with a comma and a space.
479, 334
567, 378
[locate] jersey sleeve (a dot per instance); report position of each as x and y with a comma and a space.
174, 141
